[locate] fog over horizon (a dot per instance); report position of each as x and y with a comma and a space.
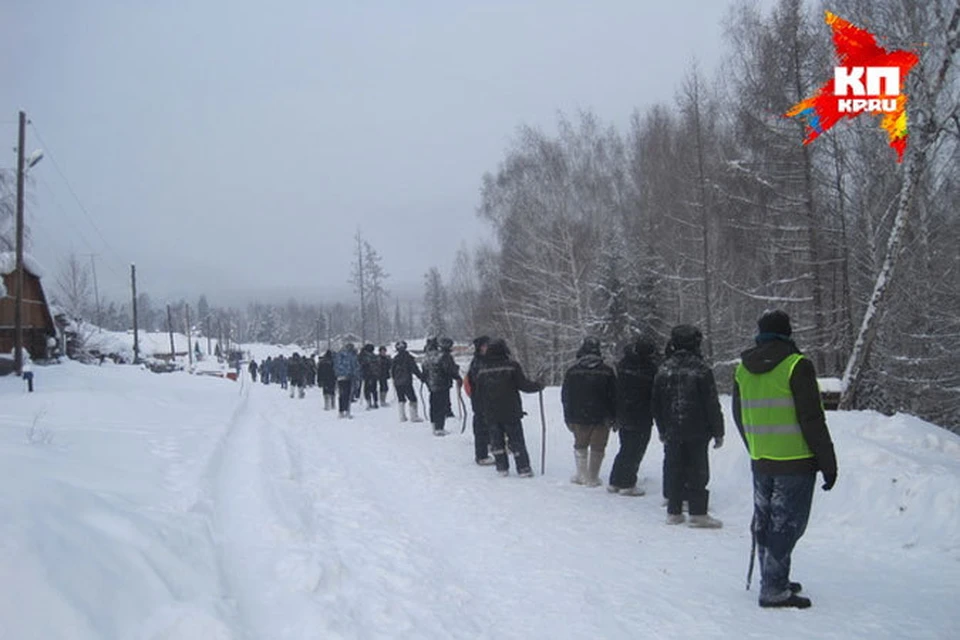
234, 149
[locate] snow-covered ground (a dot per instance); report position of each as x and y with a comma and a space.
137, 505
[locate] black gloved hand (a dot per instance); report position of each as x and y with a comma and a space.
829, 479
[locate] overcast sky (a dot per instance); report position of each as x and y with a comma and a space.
234, 147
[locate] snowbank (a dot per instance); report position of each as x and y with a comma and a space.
100, 535
830, 385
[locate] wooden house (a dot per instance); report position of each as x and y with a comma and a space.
37, 321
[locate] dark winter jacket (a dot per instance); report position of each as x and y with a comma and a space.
252, 367
404, 368
345, 363
385, 365
369, 364
440, 370
684, 401
471, 380
497, 383
589, 392
296, 372
806, 399
326, 377
635, 374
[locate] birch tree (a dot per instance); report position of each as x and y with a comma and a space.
935, 109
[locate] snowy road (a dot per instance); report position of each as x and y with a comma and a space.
196, 510
371, 528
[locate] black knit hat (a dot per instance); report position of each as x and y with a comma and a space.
685, 337
590, 346
644, 346
497, 349
777, 322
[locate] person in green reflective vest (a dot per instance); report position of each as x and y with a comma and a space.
776, 405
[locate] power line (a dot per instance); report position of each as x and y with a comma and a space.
76, 229
35, 226
49, 153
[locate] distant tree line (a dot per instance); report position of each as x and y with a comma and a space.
294, 322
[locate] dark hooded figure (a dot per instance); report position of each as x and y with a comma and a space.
440, 371
776, 405
481, 435
498, 381
266, 370
370, 365
635, 373
687, 410
327, 379
280, 368
589, 397
403, 369
297, 371
252, 368
384, 374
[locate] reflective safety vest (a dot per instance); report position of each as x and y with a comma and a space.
768, 414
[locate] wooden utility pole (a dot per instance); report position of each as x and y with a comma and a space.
189, 346
18, 277
136, 337
173, 349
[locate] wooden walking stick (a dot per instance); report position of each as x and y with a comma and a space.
543, 436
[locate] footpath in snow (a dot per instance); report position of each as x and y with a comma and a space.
151, 506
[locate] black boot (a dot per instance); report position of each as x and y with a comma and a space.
522, 461
795, 601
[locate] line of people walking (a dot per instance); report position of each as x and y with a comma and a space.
346, 370
776, 407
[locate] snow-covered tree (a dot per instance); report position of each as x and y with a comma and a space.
74, 288
436, 306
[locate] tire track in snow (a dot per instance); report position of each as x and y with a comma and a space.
482, 529
309, 553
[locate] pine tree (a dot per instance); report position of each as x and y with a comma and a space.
435, 304
358, 278
375, 276
398, 328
